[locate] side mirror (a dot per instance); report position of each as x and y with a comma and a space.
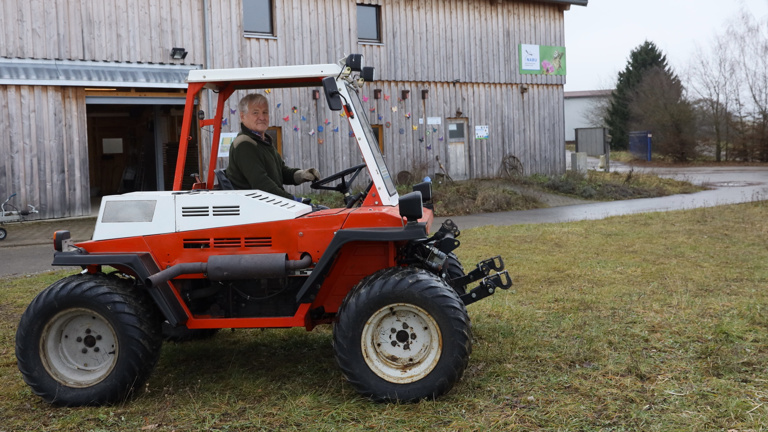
411, 206
367, 74
355, 62
332, 94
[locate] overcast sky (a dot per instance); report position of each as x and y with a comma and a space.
599, 37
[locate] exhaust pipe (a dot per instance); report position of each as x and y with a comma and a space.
232, 267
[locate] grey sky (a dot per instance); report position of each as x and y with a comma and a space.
599, 37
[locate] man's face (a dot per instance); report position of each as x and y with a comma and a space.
256, 118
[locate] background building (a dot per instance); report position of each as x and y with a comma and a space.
93, 95
580, 107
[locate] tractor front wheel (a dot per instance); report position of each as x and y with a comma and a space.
88, 340
403, 335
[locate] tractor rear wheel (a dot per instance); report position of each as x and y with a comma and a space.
403, 335
88, 340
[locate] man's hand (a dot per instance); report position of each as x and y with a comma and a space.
302, 176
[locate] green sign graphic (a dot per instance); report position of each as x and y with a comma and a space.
541, 59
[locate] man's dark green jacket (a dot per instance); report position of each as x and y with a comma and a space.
255, 164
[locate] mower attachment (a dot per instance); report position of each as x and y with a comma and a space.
483, 269
487, 287
488, 284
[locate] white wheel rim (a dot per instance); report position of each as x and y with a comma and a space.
78, 348
401, 343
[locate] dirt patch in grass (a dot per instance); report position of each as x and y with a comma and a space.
455, 198
612, 186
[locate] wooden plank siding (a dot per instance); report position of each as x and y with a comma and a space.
45, 157
463, 51
141, 31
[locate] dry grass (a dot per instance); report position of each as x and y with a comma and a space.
650, 322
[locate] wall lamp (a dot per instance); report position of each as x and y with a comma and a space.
178, 53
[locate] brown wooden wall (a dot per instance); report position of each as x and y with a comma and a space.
44, 151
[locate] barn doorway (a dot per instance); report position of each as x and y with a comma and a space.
133, 147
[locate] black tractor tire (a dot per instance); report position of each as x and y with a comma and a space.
402, 335
452, 269
88, 339
182, 334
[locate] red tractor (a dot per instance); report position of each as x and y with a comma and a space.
185, 263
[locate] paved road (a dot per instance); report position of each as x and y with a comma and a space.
731, 185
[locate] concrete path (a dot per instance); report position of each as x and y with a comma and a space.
731, 185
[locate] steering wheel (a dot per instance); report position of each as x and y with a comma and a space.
344, 185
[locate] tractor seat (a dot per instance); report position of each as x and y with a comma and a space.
222, 180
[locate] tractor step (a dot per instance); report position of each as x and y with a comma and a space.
487, 287
483, 269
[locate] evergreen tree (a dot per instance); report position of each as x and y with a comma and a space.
643, 58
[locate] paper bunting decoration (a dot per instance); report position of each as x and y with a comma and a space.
415, 127
408, 115
373, 109
295, 110
319, 128
320, 140
388, 124
386, 97
336, 129
342, 114
429, 146
303, 118
327, 122
224, 122
421, 139
268, 91
365, 98
440, 139
232, 111
402, 131
279, 105
286, 118
434, 129
312, 132
351, 134
380, 117
394, 109
295, 128
428, 132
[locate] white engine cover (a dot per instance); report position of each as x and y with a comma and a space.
151, 213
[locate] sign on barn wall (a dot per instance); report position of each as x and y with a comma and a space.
541, 59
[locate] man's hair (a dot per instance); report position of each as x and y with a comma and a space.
251, 99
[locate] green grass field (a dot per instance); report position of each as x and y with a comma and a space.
651, 322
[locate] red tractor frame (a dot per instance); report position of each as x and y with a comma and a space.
185, 263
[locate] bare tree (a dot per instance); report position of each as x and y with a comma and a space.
750, 39
713, 81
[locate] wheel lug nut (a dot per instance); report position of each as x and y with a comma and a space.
79, 339
96, 349
98, 337
85, 350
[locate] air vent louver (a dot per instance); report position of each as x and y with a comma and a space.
194, 211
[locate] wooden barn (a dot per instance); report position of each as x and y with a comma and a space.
92, 91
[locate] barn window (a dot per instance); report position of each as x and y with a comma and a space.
258, 18
368, 23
